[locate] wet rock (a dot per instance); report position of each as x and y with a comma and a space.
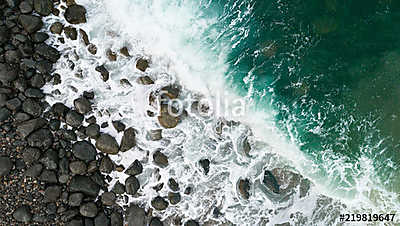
39, 37
74, 119
205, 164
4, 34
75, 14
191, 223
84, 150
48, 176
33, 93
47, 52
112, 56
82, 105
41, 138
166, 119
50, 159
142, 64
27, 127
135, 216
106, 165
159, 203
118, 125
171, 91
118, 188
160, 159
107, 144
102, 220
271, 182
88, 209
244, 188
8, 73
304, 187
92, 48
13, 104
92, 130
104, 125
74, 222
135, 168
85, 185
43, 7
78, 167
108, 198
30, 23
56, 28
59, 109
124, 51
71, 32
104, 72
37, 81
31, 155
25, 7
84, 36
21, 117
4, 114
23, 214
3, 99
125, 83
75, 199
145, 80
128, 139
155, 134
5, 166
116, 219
32, 107
281, 180
173, 185
174, 197
34, 171
52, 193
12, 56
69, 135
132, 185
155, 221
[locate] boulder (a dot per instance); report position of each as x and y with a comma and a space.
135, 216
128, 139
43, 7
30, 23
107, 144
84, 150
85, 185
8, 73
75, 14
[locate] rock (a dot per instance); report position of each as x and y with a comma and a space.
84, 36
34, 93
82, 105
174, 198
85, 185
32, 107
30, 155
69, 135
78, 167
155, 221
59, 109
30, 23
4, 34
52, 193
21, 117
142, 64
118, 188
74, 222
88, 209
75, 199
23, 214
39, 37
116, 219
118, 125
71, 32
92, 48
132, 185
271, 182
173, 184
166, 119
13, 104
41, 138
104, 125
84, 150
107, 144
160, 159
74, 119
37, 81
25, 7
3, 99
145, 80
102, 220
8, 73
112, 56
106, 165
155, 134
5, 166
135, 216
244, 188
56, 28
281, 180
191, 223
171, 91
34, 171
50, 159
47, 52
75, 14
205, 164
124, 51
104, 72
125, 83
92, 130
4, 114
134, 169
159, 203
128, 140
43, 7
48, 176
108, 198
12, 56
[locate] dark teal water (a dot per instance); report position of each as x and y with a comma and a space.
331, 70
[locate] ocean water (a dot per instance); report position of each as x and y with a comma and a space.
319, 79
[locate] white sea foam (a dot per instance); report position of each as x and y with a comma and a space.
168, 33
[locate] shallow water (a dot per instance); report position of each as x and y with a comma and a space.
319, 78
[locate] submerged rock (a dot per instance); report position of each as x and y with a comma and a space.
166, 119
124, 51
75, 14
112, 56
271, 182
84, 36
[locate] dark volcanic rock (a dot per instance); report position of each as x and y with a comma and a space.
124, 51
107, 144
71, 32
43, 7
191, 223
84, 150
112, 56
25, 7
56, 28
39, 37
271, 182
132, 185
82, 105
135, 216
155, 221
47, 52
84, 36
31, 155
92, 48
13, 104
166, 119
85, 185
27, 127
173, 184
135, 168
174, 197
104, 72
244, 188
34, 171
30, 23
160, 159
118, 125
50, 159
88, 209
41, 138
106, 165
75, 199
32, 107
59, 109
116, 219
155, 134
108, 198
145, 80
4, 114
74, 119
142, 64
8, 73
23, 214
101, 220
205, 164
5, 166
92, 130
118, 188
4, 34
75, 14
48, 176
52, 193
159, 203
78, 167
128, 139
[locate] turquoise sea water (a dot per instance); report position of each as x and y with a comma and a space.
330, 69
